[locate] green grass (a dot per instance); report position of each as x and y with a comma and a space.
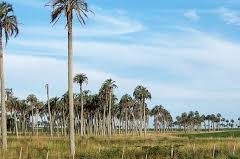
224, 134
131, 147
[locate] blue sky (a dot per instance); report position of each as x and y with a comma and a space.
185, 52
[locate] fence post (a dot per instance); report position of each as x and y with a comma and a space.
234, 149
123, 153
194, 148
146, 157
20, 154
47, 154
27, 152
213, 152
172, 152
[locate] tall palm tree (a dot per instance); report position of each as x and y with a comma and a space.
8, 27
103, 96
239, 122
64, 104
109, 85
15, 105
67, 8
142, 94
125, 104
23, 107
49, 110
81, 79
54, 104
32, 100
39, 105
218, 120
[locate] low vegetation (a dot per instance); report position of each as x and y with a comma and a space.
224, 134
222, 145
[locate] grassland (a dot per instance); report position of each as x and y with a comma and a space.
220, 134
221, 145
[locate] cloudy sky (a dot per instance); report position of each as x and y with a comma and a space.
187, 53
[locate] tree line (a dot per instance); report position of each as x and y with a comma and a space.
102, 114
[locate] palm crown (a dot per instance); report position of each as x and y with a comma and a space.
67, 7
8, 21
141, 93
80, 79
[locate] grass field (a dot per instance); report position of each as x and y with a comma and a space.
224, 134
162, 146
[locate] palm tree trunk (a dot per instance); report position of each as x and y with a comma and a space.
61, 124
104, 119
144, 118
0, 126
58, 128
11, 121
32, 121
81, 93
126, 126
109, 114
37, 120
4, 122
70, 85
49, 112
24, 124
15, 122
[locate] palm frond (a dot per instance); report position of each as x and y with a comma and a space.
8, 21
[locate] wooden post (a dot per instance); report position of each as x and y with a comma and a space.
213, 152
20, 154
194, 149
146, 157
27, 151
172, 152
47, 155
234, 149
123, 153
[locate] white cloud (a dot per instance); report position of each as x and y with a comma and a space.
230, 16
206, 67
27, 74
197, 48
101, 24
192, 15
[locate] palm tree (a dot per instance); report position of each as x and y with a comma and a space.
32, 100
49, 110
125, 104
110, 84
15, 104
8, 27
23, 107
103, 96
232, 123
239, 122
141, 93
227, 123
203, 118
54, 104
67, 8
81, 79
218, 120
222, 122
64, 104
39, 105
